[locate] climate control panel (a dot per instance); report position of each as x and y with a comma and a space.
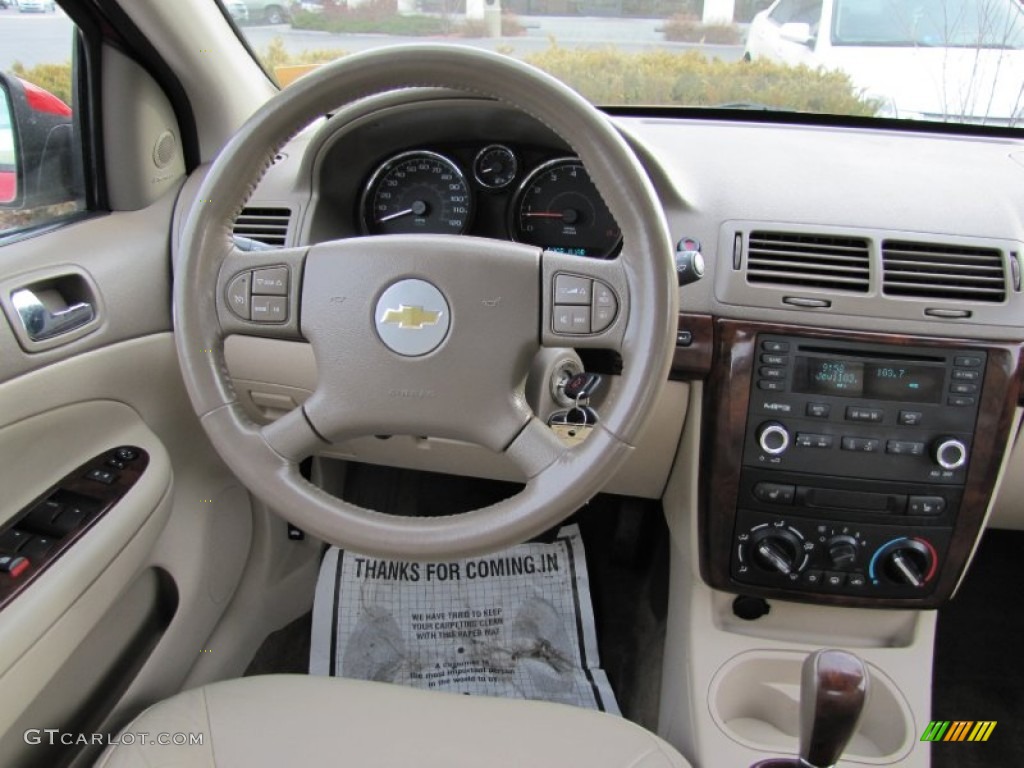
844, 558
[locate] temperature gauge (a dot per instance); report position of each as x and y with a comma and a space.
495, 166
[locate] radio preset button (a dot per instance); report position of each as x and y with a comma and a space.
910, 418
873, 415
967, 375
967, 362
904, 448
819, 410
769, 385
772, 373
775, 493
775, 346
773, 359
861, 444
811, 440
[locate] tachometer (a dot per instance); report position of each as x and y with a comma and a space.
558, 208
416, 192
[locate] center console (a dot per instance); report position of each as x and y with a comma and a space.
851, 469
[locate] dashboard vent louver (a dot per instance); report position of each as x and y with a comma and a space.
266, 225
823, 262
943, 271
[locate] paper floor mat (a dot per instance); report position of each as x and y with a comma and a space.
518, 623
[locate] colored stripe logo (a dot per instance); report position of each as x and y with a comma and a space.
958, 730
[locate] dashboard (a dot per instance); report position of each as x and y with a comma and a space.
858, 342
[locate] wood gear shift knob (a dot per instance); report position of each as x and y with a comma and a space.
833, 689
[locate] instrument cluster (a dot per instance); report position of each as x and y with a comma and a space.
494, 190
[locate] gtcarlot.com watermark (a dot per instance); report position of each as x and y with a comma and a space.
53, 736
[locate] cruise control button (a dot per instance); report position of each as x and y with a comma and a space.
926, 505
571, 319
570, 289
269, 309
270, 282
239, 291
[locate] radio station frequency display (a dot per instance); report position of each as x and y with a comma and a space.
884, 380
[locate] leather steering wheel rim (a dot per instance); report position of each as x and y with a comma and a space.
560, 480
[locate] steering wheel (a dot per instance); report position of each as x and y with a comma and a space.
428, 335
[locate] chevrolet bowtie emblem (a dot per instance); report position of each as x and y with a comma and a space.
411, 318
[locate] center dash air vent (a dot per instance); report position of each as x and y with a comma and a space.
267, 225
824, 262
943, 271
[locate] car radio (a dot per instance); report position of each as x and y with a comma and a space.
854, 463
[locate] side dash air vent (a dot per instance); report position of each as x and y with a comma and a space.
266, 225
824, 262
942, 271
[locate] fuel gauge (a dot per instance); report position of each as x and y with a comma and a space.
495, 166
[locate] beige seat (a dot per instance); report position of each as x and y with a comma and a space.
296, 720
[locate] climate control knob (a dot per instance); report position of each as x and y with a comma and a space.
777, 550
950, 453
905, 561
773, 438
842, 551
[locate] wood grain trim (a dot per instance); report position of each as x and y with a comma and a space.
722, 450
694, 361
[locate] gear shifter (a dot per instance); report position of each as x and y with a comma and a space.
833, 689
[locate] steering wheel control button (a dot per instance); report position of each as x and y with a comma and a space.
239, 293
570, 289
270, 282
412, 318
574, 320
269, 309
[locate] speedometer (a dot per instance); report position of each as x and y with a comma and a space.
558, 208
416, 192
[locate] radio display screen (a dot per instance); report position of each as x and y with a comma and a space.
887, 380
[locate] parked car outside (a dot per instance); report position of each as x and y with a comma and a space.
930, 59
268, 11
239, 10
36, 6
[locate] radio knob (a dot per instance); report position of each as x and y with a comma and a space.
950, 453
842, 550
773, 438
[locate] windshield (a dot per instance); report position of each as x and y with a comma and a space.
972, 24
740, 54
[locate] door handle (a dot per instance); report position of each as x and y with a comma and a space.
41, 323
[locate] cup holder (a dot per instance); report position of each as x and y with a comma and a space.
755, 700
